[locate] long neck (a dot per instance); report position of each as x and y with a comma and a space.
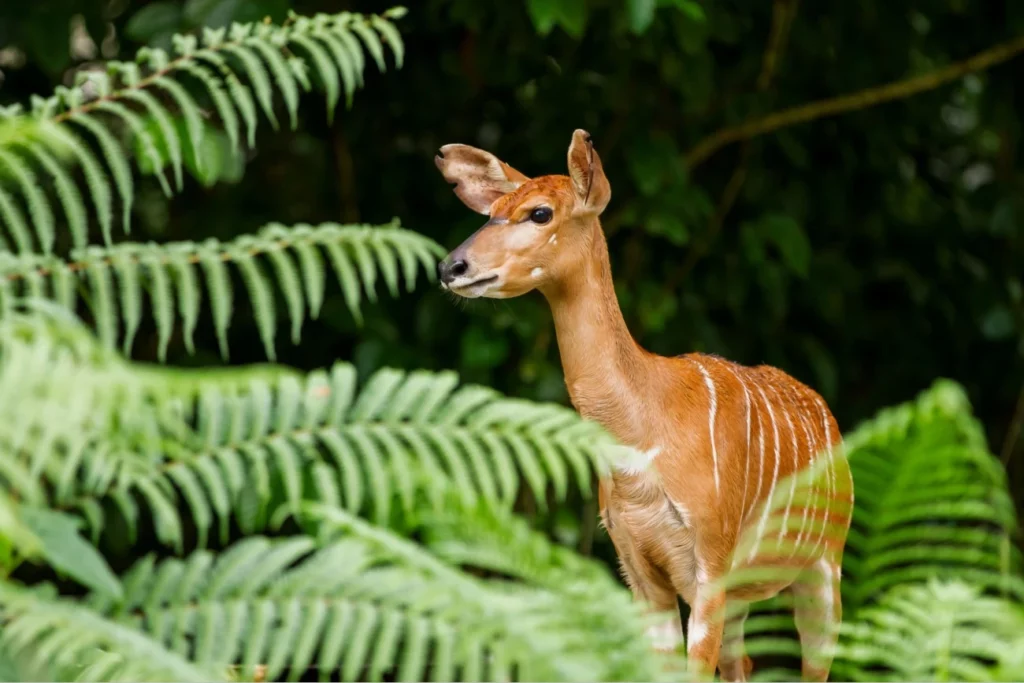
605, 370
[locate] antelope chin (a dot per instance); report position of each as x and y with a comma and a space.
474, 288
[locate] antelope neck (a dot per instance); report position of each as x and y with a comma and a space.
606, 371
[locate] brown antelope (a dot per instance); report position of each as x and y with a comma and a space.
709, 441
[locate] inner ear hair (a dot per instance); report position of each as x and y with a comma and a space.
590, 165
589, 182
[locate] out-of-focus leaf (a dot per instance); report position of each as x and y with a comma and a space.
789, 238
641, 14
571, 15
65, 550
155, 19
998, 323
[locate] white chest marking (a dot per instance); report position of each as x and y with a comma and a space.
630, 460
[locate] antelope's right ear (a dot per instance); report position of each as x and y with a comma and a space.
593, 192
479, 177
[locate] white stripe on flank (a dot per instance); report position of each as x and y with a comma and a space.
775, 476
829, 466
746, 454
792, 480
711, 419
760, 469
813, 498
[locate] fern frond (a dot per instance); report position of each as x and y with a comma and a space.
934, 631
933, 522
61, 636
405, 437
144, 90
345, 607
170, 274
402, 437
931, 500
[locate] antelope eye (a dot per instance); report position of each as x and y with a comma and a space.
541, 215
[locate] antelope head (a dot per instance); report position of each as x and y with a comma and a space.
537, 229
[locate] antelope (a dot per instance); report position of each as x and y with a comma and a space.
708, 441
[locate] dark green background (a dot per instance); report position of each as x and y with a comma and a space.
866, 253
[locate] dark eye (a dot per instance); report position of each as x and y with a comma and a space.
541, 215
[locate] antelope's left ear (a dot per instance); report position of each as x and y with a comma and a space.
479, 177
589, 183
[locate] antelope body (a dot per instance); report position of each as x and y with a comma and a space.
711, 441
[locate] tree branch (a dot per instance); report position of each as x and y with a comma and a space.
854, 101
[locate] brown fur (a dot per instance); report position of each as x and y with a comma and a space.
676, 532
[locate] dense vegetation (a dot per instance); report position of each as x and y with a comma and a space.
166, 515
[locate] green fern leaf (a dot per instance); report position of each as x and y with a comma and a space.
70, 197
355, 51
39, 209
115, 159
190, 111
325, 69
283, 77
291, 287
311, 263
126, 267
242, 98
102, 288
167, 130
347, 278
221, 100
15, 219
35, 625
262, 302
932, 631
189, 298
903, 462
372, 41
258, 77
343, 60
162, 298
367, 268
149, 148
219, 284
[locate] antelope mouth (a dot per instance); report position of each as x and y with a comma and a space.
474, 288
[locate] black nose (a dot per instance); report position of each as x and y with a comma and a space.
447, 272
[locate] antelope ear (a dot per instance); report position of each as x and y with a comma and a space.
589, 183
479, 177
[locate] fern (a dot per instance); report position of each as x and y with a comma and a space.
60, 637
118, 280
362, 604
401, 437
934, 631
152, 87
932, 529
931, 500
156, 435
